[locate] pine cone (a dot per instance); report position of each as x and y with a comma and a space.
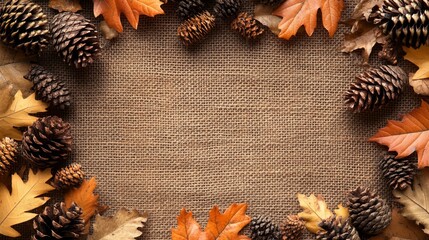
369, 214
68, 177
195, 29
47, 142
24, 26
375, 88
263, 229
247, 26
227, 9
292, 228
404, 21
8, 155
75, 39
189, 8
273, 3
399, 173
48, 88
59, 223
335, 228
389, 52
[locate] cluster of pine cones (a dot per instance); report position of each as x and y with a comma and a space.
24, 26
198, 21
369, 215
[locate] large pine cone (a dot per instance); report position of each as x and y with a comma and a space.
75, 39
47, 142
405, 21
263, 228
59, 223
24, 26
369, 213
189, 8
375, 88
195, 29
68, 177
399, 173
227, 9
8, 155
247, 26
273, 3
292, 228
48, 88
335, 228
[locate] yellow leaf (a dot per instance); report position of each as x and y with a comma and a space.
314, 211
18, 115
25, 196
342, 212
419, 57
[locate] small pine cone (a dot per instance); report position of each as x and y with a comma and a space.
227, 9
369, 213
262, 228
24, 26
389, 52
47, 142
58, 222
247, 26
375, 87
8, 155
273, 3
399, 173
335, 228
292, 228
404, 21
75, 39
189, 8
48, 88
68, 177
195, 29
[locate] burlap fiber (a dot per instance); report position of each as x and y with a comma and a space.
163, 127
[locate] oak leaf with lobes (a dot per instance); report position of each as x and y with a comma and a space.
132, 9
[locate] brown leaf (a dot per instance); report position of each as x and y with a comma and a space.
187, 227
420, 57
263, 13
65, 5
108, 32
420, 86
314, 211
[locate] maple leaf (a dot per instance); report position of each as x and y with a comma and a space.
85, 198
407, 136
24, 197
314, 211
65, 5
297, 13
123, 225
132, 9
220, 226
18, 115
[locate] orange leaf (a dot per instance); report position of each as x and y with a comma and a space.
132, 9
220, 226
409, 135
297, 13
85, 198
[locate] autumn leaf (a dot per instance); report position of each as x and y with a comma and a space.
25, 196
18, 115
420, 58
408, 136
420, 86
65, 5
108, 32
314, 211
220, 226
297, 13
263, 13
132, 9
85, 198
123, 225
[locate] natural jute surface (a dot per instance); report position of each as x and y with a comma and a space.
163, 127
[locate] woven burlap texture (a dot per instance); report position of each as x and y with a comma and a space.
163, 127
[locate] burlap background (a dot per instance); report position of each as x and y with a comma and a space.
163, 127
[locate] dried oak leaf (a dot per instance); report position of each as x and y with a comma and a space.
123, 225
297, 13
415, 201
420, 57
18, 115
314, 211
24, 197
408, 136
65, 5
132, 9
220, 226
264, 14
401, 228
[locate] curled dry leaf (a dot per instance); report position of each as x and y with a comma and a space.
314, 211
419, 80
420, 86
124, 225
263, 13
108, 32
65, 5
